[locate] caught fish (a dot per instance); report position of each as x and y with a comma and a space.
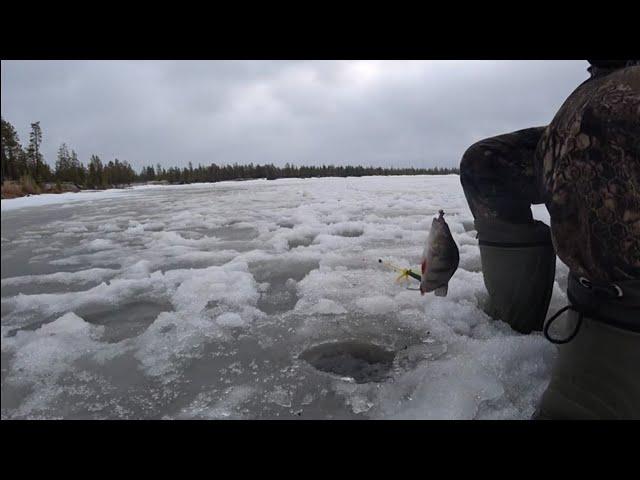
440, 258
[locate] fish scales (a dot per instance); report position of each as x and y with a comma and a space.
440, 258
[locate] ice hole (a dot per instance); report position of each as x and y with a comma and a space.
360, 361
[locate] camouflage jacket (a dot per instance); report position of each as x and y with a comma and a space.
588, 170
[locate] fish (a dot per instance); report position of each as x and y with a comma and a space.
440, 258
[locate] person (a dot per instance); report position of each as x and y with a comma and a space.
585, 167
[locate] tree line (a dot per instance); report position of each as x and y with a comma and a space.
28, 165
217, 173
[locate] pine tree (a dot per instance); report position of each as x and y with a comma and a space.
13, 162
94, 175
63, 164
77, 168
34, 156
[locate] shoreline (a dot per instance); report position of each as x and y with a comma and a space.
42, 199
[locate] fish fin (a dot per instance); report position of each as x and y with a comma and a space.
441, 291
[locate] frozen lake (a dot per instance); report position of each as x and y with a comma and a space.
220, 300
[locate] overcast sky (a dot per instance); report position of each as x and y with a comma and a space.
380, 113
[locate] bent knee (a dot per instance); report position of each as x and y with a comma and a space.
474, 159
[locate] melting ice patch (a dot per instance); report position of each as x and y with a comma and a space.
198, 301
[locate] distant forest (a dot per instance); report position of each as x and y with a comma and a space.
29, 168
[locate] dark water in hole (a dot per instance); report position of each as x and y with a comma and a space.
364, 362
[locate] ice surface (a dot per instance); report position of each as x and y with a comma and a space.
326, 307
378, 304
198, 301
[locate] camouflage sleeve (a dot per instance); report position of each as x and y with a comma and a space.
498, 176
588, 170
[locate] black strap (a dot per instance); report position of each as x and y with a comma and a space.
591, 298
548, 323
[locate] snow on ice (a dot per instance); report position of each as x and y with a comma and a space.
197, 302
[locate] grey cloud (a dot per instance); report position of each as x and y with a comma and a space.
420, 113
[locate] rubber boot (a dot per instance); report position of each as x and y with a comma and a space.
597, 373
518, 265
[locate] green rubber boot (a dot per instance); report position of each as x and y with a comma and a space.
519, 266
597, 373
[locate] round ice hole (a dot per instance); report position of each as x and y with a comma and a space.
363, 362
